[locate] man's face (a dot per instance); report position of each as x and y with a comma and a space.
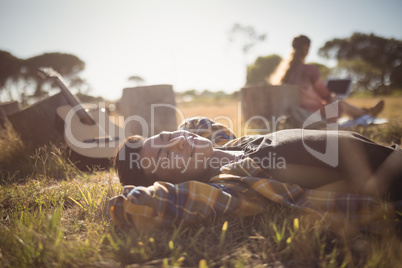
176, 156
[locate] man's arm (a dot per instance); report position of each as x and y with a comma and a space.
166, 204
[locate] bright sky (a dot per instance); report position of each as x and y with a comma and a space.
182, 42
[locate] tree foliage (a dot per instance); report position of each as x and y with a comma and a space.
261, 69
383, 56
247, 35
367, 76
19, 78
136, 79
9, 67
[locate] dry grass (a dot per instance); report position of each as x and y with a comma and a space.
392, 109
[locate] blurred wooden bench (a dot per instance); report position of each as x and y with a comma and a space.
148, 110
264, 106
38, 124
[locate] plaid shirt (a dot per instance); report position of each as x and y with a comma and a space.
241, 189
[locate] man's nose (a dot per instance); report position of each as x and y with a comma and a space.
177, 142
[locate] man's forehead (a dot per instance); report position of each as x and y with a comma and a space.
154, 141
151, 143
148, 149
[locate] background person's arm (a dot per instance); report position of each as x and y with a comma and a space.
322, 90
318, 84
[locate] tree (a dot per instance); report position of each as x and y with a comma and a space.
191, 92
261, 69
247, 36
18, 77
136, 79
367, 76
380, 53
9, 67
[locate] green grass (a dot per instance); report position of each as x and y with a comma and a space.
53, 215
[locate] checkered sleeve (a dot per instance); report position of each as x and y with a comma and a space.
207, 128
166, 204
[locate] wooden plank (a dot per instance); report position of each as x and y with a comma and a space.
155, 105
268, 103
38, 124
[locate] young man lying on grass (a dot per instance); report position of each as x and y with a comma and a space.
202, 170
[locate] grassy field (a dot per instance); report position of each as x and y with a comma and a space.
53, 215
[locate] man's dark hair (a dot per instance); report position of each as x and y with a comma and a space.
298, 44
129, 172
300, 41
